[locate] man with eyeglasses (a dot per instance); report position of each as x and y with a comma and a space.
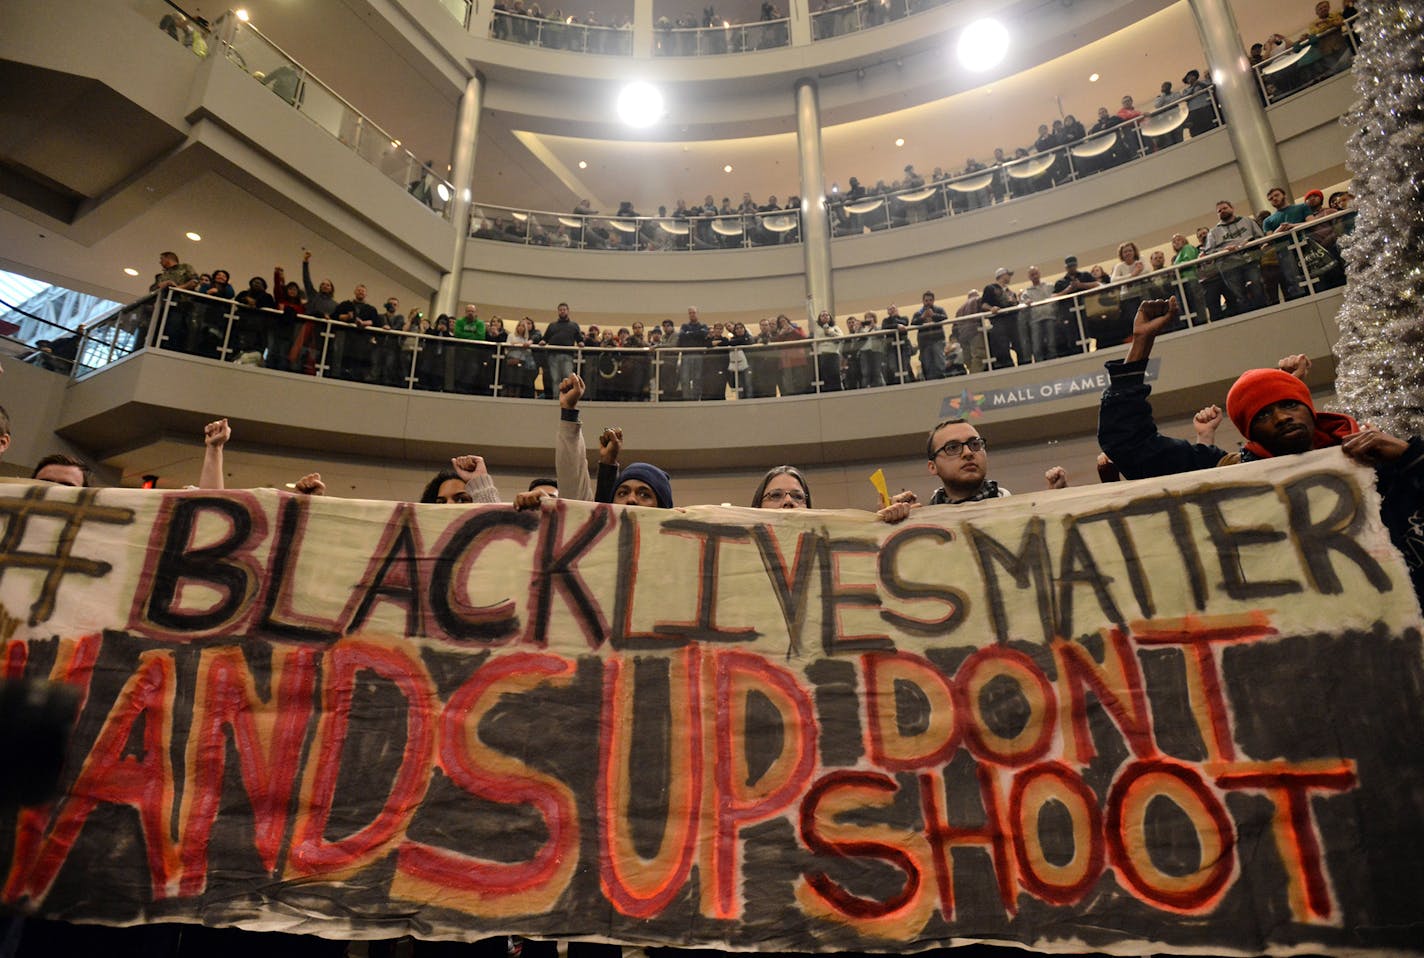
958, 457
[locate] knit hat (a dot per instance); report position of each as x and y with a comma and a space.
653, 476
1258, 388
1315, 193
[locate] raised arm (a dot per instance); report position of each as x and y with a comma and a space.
570, 456
215, 436
306, 273
1206, 422
472, 472
311, 485
610, 444
1127, 431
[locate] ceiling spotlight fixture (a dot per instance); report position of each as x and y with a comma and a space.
192, 236
899, 141
727, 168
395, 144
583, 164
982, 45
640, 104
130, 270
242, 14
442, 191
1092, 78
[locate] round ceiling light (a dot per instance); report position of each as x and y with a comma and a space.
640, 104
130, 270
727, 168
583, 164
899, 141
982, 45
1093, 78
193, 236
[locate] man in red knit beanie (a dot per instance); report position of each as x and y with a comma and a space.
1273, 410
1274, 413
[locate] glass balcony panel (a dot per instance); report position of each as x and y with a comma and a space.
459, 9
1299, 66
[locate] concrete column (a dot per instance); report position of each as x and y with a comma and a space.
481, 19
643, 29
1252, 138
467, 131
815, 221
800, 13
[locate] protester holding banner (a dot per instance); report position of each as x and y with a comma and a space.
1273, 410
784, 487
640, 484
958, 458
466, 481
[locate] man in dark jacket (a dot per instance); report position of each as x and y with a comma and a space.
1273, 411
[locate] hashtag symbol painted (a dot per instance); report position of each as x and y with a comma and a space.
58, 562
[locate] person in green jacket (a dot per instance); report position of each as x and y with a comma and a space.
468, 358
1186, 252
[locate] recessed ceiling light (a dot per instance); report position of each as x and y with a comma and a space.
1093, 78
583, 164
640, 104
130, 270
727, 168
291, 485
899, 141
395, 144
242, 14
192, 236
982, 45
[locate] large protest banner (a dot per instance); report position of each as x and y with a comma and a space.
1180, 714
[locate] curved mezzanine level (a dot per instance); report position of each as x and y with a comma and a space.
140, 413
221, 128
252, 138
1144, 200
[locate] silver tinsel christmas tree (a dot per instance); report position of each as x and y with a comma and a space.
1380, 355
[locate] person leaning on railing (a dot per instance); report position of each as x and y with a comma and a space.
795, 363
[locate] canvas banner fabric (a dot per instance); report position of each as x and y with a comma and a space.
1177, 714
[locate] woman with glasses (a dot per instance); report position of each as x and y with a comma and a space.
784, 487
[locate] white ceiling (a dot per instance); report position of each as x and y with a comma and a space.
336, 41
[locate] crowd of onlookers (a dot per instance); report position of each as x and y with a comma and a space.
1327, 51
1279, 254
707, 225
1006, 173
834, 18
518, 23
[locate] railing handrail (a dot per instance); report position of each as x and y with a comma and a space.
1293, 46
476, 207
569, 21
724, 27
1171, 273
312, 78
838, 199
309, 76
